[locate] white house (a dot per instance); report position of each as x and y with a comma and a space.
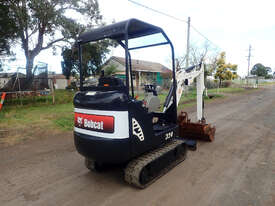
59, 80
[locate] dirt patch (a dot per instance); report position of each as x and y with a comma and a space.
10, 137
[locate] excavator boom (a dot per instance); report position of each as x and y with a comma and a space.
191, 130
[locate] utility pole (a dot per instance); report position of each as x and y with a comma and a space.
187, 52
248, 59
188, 43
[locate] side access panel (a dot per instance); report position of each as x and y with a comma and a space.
144, 136
140, 130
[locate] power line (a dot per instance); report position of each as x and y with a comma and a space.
160, 12
205, 37
175, 18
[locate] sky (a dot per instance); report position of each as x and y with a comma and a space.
231, 26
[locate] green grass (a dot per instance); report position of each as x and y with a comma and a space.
61, 97
186, 100
226, 90
65, 123
267, 83
40, 112
28, 122
162, 96
44, 115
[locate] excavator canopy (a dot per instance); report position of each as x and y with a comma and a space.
126, 33
117, 31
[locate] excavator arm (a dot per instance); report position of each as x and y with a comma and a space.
184, 77
191, 130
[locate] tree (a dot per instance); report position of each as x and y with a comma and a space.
268, 69
93, 56
7, 29
197, 54
225, 71
260, 70
41, 24
110, 70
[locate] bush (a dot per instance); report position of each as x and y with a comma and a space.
210, 84
226, 84
268, 76
166, 83
72, 86
110, 70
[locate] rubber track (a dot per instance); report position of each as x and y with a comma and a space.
133, 169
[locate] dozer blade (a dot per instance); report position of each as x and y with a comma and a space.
197, 131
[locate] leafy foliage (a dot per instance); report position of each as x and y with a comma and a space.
225, 71
110, 70
7, 29
40, 24
260, 70
93, 56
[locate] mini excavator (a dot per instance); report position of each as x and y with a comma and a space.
112, 127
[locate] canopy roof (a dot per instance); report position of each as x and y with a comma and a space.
117, 31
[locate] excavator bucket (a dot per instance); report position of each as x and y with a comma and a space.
196, 131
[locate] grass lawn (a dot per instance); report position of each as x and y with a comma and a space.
226, 90
45, 115
36, 118
27, 122
267, 83
61, 97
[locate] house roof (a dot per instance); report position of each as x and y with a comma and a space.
142, 66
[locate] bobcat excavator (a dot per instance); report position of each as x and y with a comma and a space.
113, 127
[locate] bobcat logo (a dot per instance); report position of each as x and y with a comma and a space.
137, 131
79, 120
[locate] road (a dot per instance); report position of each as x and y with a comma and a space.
238, 168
